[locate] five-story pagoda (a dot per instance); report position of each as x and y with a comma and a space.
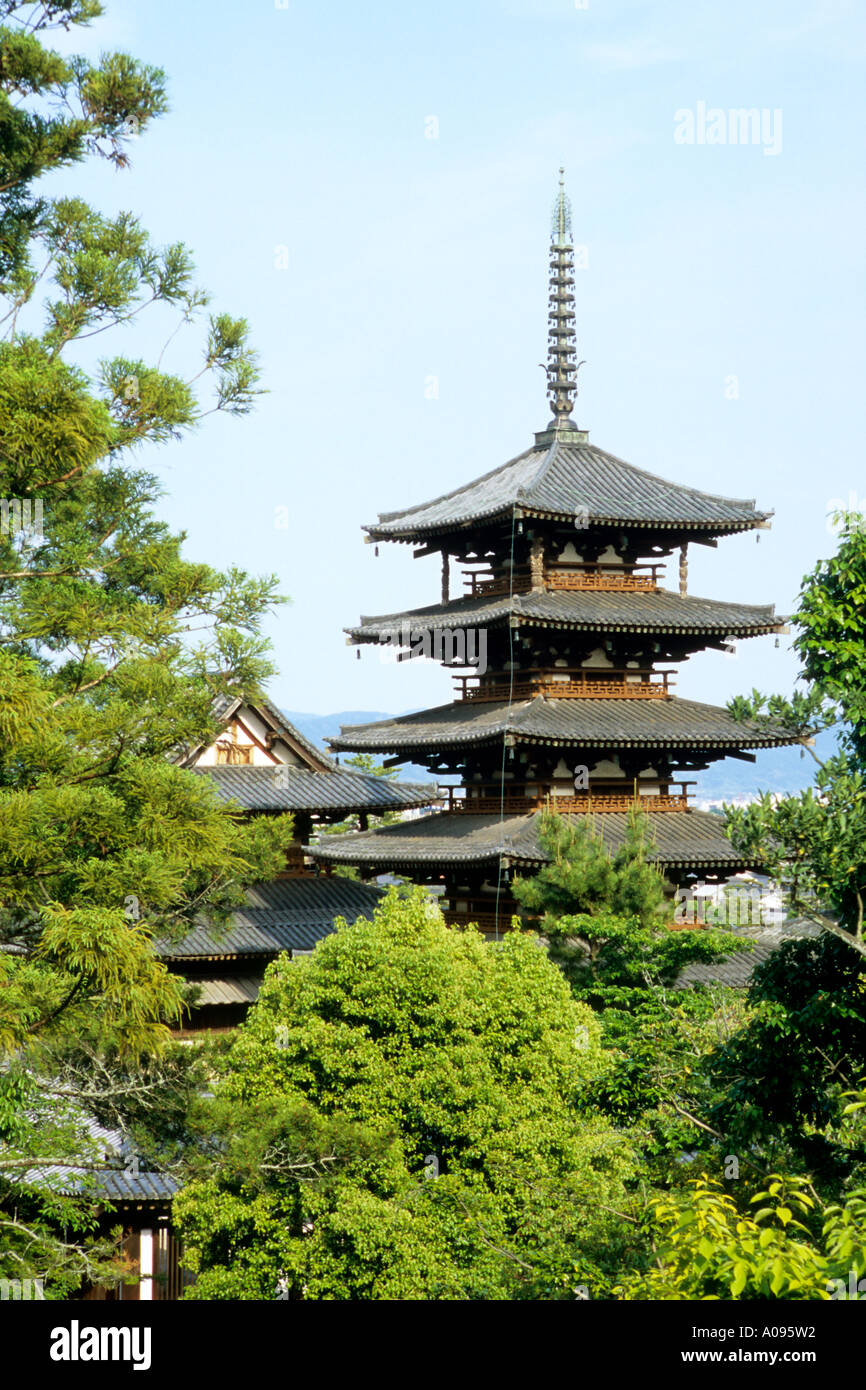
569, 701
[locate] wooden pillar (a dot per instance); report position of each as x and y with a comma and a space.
145, 1267
536, 564
445, 576
684, 569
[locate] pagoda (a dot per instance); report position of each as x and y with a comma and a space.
563, 644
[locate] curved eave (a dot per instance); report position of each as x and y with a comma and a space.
409, 749
464, 839
661, 611
371, 635
371, 808
502, 516
671, 723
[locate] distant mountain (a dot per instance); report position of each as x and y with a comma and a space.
781, 770
318, 727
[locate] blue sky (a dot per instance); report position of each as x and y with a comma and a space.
300, 137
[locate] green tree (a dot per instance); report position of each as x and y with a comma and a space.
781, 1080
54, 112
708, 1248
783, 1076
607, 918
115, 649
583, 877
816, 841
403, 1115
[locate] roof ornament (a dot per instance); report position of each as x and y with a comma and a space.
561, 344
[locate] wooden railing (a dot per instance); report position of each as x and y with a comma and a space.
602, 577
577, 685
606, 578
493, 803
483, 585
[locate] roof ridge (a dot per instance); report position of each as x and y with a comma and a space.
294, 732
657, 477
516, 603
455, 492
546, 460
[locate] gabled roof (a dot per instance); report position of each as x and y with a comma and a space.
683, 839
589, 610
293, 735
284, 788
227, 708
289, 914
670, 723
555, 479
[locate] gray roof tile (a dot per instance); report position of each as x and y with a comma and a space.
556, 479
682, 838
737, 970
591, 610
234, 989
287, 914
119, 1182
671, 723
284, 788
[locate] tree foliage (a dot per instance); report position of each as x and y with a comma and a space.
708, 1248
115, 649
404, 1115
816, 841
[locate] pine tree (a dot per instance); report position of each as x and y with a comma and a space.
114, 648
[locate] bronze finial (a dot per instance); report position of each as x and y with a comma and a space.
561, 345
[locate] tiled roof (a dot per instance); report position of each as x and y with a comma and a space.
592, 610
236, 989
122, 1181
225, 707
145, 1187
293, 732
287, 914
682, 838
285, 788
556, 479
737, 970
670, 723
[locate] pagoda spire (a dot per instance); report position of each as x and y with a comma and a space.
561, 345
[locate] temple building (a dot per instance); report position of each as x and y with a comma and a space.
564, 642
262, 765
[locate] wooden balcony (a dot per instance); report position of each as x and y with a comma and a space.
578, 684
600, 578
482, 911
604, 577
489, 802
484, 585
